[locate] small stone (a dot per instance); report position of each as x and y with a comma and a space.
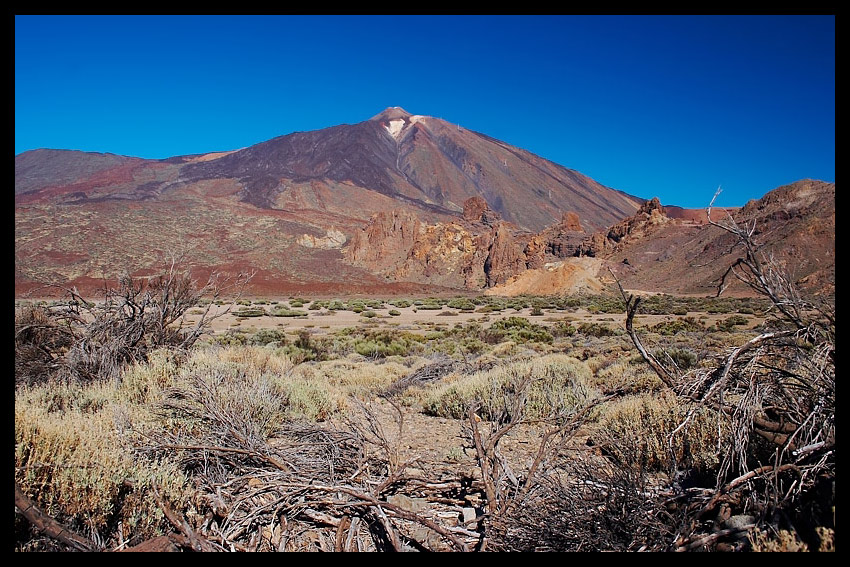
739, 521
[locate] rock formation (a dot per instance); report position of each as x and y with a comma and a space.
645, 221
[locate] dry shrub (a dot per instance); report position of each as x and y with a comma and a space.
788, 541
41, 339
587, 507
644, 429
558, 382
309, 400
255, 404
145, 382
255, 359
352, 377
71, 458
625, 374
254, 387
82, 340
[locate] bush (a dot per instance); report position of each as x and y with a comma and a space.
625, 374
284, 312
731, 322
268, 336
99, 341
461, 303
563, 329
679, 325
637, 431
683, 358
250, 312
74, 462
558, 383
517, 329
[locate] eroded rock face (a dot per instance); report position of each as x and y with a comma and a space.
644, 222
505, 257
564, 239
387, 238
570, 222
480, 250
333, 239
535, 251
476, 209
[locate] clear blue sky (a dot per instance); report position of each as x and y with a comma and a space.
664, 106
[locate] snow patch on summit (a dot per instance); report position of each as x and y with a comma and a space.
395, 127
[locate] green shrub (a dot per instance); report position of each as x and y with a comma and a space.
461, 303
680, 325
563, 329
284, 312
517, 329
250, 312
489, 309
683, 358
268, 336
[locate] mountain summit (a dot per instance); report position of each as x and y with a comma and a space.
289, 205
392, 113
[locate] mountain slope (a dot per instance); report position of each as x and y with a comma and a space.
289, 207
397, 203
422, 162
794, 224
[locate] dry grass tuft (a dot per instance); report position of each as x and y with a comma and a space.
640, 429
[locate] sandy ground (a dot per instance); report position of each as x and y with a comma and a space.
415, 320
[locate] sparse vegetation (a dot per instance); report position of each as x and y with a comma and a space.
296, 437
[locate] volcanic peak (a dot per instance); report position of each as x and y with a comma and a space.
392, 113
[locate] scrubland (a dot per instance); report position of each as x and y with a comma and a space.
532, 424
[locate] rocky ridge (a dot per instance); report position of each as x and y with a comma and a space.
479, 250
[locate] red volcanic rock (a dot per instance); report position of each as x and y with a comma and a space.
698, 216
476, 209
388, 237
649, 215
570, 222
563, 239
535, 251
505, 258
473, 208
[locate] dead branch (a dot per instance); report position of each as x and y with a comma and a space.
48, 525
709, 539
196, 541
632, 304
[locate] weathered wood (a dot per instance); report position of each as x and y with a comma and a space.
48, 525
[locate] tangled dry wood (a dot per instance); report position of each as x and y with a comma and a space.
777, 392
